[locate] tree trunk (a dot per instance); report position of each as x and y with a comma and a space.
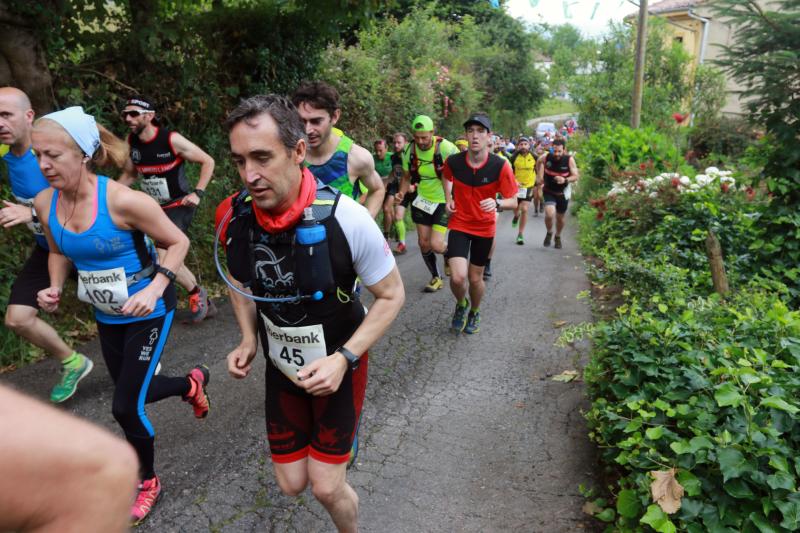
22, 60
718, 275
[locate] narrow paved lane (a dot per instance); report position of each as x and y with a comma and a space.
459, 433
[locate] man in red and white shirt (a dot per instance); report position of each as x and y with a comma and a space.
473, 179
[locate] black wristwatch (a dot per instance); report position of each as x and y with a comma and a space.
352, 359
497, 205
167, 272
199, 192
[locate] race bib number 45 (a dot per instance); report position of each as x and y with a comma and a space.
292, 348
157, 188
106, 290
425, 205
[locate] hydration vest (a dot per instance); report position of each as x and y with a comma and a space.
413, 160
270, 261
554, 168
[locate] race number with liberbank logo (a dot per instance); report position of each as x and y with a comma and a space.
292, 348
106, 290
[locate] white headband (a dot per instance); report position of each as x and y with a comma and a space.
80, 126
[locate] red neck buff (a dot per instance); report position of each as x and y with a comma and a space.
283, 221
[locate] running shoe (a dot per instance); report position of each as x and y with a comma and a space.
435, 284
515, 222
520, 240
400, 249
536, 212
198, 305
459, 318
487, 271
547, 239
557, 243
198, 396
146, 498
473, 322
64, 390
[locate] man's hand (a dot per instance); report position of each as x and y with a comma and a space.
451, 206
560, 180
13, 214
488, 205
240, 360
398, 197
49, 298
191, 199
323, 376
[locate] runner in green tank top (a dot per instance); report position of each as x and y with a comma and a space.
333, 157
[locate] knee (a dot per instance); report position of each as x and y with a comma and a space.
292, 487
439, 247
20, 318
475, 278
326, 492
523, 207
125, 413
458, 279
424, 244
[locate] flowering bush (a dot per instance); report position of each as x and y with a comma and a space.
713, 177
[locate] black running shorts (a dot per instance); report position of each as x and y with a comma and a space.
32, 278
472, 247
438, 218
300, 425
558, 200
181, 216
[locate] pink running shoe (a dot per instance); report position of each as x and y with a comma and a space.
146, 498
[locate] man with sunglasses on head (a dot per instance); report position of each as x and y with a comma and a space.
158, 155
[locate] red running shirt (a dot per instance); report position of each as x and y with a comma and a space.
471, 185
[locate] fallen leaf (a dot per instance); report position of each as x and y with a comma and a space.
519, 405
566, 376
559, 323
591, 508
666, 491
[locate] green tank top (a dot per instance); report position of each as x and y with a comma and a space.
333, 172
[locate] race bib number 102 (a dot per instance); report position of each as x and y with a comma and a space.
106, 290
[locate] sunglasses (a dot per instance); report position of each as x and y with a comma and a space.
134, 113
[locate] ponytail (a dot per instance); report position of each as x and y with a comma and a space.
112, 151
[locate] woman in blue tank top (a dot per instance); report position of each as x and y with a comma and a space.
101, 227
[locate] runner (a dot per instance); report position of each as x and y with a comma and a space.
556, 171
383, 166
16, 122
317, 348
423, 161
462, 144
399, 145
101, 227
524, 165
158, 155
332, 156
61, 473
473, 179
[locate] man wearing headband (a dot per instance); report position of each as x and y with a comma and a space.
423, 161
473, 180
332, 156
16, 120
158, 155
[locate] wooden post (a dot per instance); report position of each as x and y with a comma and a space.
718, 276
638, 73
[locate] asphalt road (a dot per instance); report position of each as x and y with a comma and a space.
459, 433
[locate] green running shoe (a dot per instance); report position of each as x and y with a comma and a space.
459, 318
520, 240
473, 323
70, 377
515, 222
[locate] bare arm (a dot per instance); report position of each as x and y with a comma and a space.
573, 171
191, 152
324, 376
129, 174
540, 170
58, 266
136, 210
362, 166
240, 359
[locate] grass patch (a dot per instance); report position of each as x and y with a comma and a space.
556, 106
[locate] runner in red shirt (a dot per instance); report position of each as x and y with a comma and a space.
472, 181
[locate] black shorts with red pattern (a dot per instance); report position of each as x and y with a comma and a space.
300, 425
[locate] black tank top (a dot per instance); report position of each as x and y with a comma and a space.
163, 175
556, 167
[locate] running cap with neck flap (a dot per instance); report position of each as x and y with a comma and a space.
80, 126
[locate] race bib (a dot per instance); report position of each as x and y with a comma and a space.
292, 348
157, 188
522, 192
425, 205
106, 290
35, 227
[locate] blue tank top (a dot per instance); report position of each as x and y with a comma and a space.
333, 172
27, 181
103, 247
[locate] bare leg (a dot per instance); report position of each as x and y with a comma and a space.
24, 321
476, 286
549, 215
523, 214
458, 277
559, 223
329, 485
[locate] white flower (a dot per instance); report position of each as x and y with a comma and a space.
653, 194
703, 180
694, 187
712, 170
727, 179
685, 181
